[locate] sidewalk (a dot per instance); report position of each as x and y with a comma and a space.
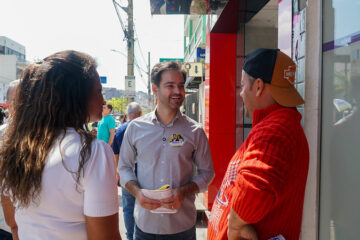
201, 225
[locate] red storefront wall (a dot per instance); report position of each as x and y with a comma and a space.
221, 83
223, 105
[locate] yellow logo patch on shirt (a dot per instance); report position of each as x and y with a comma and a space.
176, 140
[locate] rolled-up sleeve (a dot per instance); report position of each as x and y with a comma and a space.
127, 157
203, 161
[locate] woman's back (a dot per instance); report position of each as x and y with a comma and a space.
62, 203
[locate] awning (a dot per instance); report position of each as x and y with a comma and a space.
193, 82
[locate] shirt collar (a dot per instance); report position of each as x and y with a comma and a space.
155, 119
260, 114
153, 116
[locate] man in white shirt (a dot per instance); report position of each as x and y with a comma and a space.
168, 148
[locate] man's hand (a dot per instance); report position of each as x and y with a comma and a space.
147, 203
173, 202
239, 229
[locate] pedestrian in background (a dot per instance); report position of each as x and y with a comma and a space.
122, 119
133, 111
262, 193
2, 116
106, 127
149, 142
61, 179
7, 115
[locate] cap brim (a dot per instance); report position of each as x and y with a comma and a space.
287, 97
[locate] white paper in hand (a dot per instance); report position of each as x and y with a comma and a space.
158, 195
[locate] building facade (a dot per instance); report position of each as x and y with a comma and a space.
323, 38
194, 51
12, 62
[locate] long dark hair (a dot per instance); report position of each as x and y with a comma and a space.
52, 96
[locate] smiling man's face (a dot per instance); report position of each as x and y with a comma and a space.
171, 90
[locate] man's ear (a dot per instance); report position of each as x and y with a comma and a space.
259, 87
154, 89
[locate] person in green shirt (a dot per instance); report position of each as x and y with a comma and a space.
106, 127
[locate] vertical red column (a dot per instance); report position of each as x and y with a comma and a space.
220, 92
208, 198
221, 85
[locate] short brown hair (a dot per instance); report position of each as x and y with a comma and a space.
109, 106
159, 68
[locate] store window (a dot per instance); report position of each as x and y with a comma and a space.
260, 32
340, 133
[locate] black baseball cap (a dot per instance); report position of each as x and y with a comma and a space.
277, 71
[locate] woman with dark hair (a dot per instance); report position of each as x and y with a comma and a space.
60, 178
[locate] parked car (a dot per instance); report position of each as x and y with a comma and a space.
117, 124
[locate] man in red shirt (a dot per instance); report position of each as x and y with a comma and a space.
262, 193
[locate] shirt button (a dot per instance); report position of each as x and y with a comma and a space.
161, 180
162, 161
164, 139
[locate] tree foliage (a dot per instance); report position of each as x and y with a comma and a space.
119, 105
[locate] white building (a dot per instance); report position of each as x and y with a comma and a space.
194, 51
12, 62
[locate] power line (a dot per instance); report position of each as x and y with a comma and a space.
141, 75
140, 49
130, 33
136, 63
126, 32
142, 63
116, 5
142, 79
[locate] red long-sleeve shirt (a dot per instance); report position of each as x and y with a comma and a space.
265, 180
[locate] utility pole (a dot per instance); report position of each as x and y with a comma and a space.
130, 89
149, 82
130, 40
